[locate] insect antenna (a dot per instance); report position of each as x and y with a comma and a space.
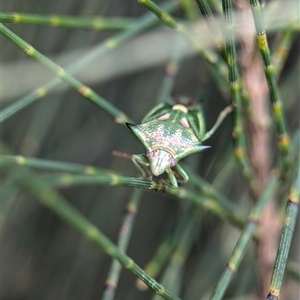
122, 154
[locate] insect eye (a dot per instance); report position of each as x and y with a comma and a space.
149, 154
172, 163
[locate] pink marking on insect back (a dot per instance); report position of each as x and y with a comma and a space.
159, 137
164, 117
185, 123
175, 141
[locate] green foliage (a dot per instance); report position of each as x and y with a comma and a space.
230, 232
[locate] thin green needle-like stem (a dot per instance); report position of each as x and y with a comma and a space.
172, 275
209, 191
190, 11
61, 73
9, 193
207, 203
286, 238
39, 93
217, 5
110, 179
245, 239
40, 123
156, 264
94, 175
280, 120
282, 50
68, 213
123, 240
166, 248
171, 70
212, 26
219, 41
235, 88
214, 61
91, 175
111, 43
50, 165
293, 270
186, 240
92, 23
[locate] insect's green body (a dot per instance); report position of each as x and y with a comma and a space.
169, 134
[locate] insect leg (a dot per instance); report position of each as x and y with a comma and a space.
223, 114
172, 178
180, 171
197, 121
141, 162
157, 111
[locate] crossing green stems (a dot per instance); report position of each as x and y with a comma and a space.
235, 88
123, 240
62, 208
92, 175
283, 136
244, 239
210, 192
206, 203
141, 24
212, 26
61, 73
213, 60
92, 23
